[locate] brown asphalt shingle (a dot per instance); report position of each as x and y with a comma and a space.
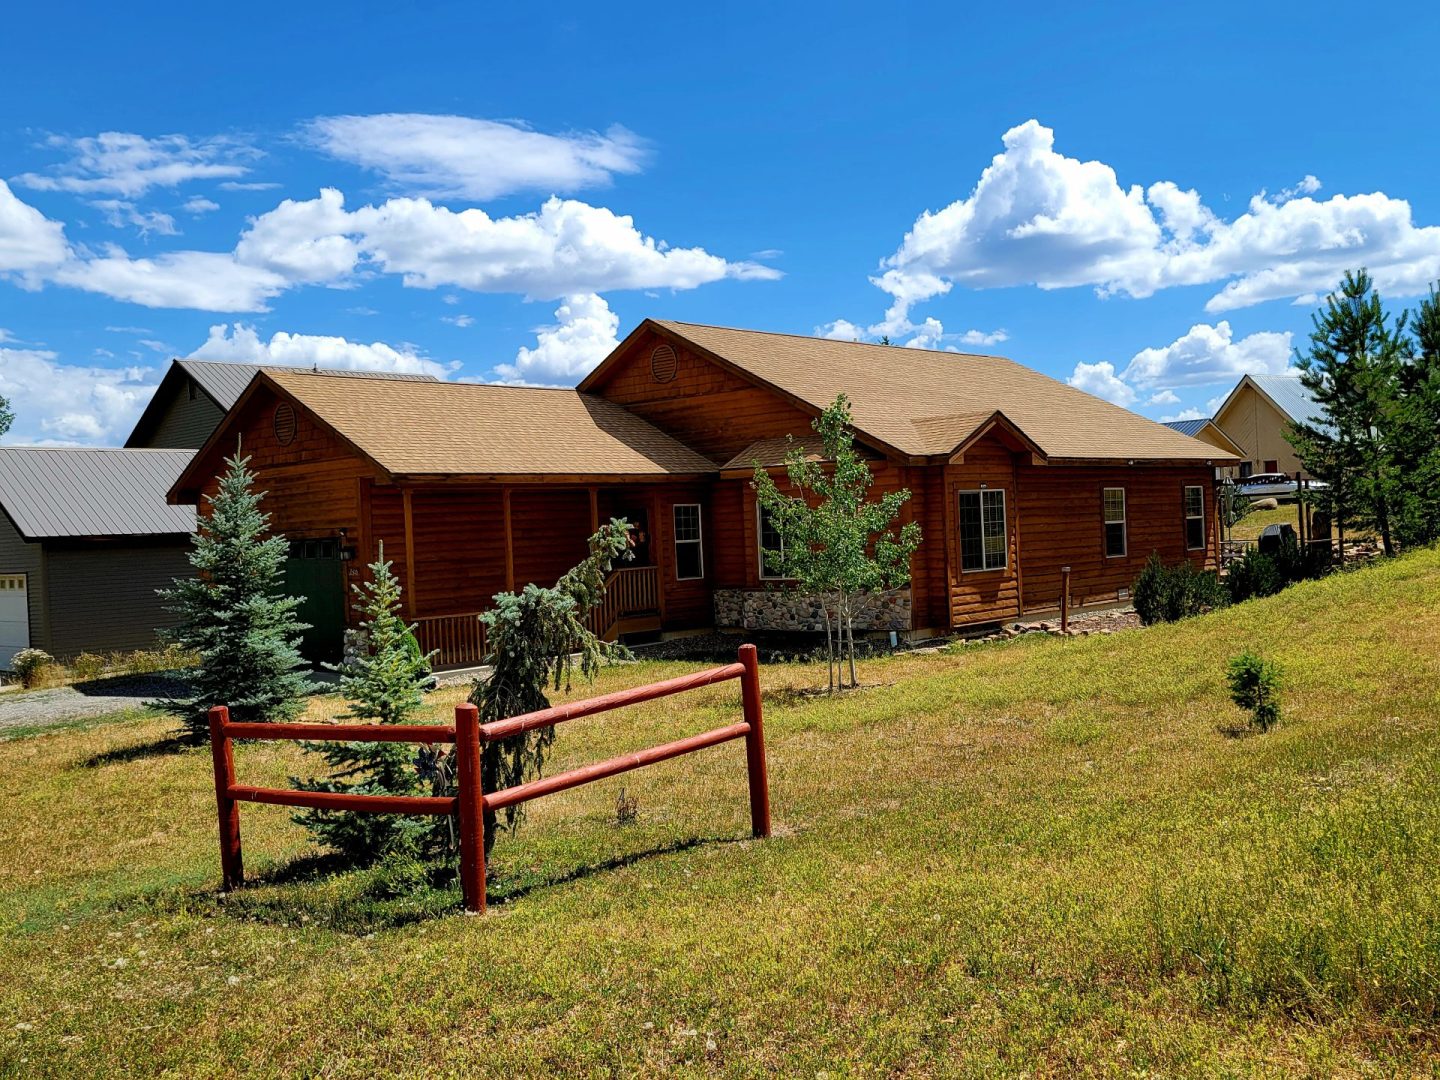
438, 428
920, 402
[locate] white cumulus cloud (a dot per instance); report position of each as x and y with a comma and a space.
475, 159
1038, 217
1205, 355
583, 334
239, 342
29, 241
1101, 380
60, 403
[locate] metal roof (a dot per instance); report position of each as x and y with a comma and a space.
52, 492
225, 381
1290, 397
1188, 427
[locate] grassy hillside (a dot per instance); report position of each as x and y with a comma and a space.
1045, 856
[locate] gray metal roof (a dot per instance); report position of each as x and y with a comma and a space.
52, 492
1291, 397
1188, 427
225, 382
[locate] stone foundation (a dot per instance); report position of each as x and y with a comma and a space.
785, 609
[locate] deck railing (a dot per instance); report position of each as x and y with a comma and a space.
459, 640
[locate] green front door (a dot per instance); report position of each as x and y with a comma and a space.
315, 574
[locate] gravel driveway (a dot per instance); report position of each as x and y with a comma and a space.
41, 708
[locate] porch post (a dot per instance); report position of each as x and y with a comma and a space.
405, 500
509, 540
594, 510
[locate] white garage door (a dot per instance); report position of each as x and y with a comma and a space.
14, 617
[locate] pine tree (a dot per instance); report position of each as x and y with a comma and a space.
7, 416
538, 639
234, 615
386, 684
1352, 372
1417, 438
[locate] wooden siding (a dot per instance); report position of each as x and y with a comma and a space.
706, 407
20, 556
459, 545
982, 596
1258, 428
101, 596
1062, 525
186, 421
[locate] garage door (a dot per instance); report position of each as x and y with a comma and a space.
14, 617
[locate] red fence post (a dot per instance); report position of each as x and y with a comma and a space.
755, 743
232, 865
472, 816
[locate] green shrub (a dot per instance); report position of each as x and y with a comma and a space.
1169, 593
1253, 575
29, 665
1255, 686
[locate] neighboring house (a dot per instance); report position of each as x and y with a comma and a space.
476, 489
1256, 416
1207, 431
195, 395
86, 537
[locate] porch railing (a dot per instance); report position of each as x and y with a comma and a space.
459, 640
630, 590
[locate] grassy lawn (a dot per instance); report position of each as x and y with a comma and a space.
1249, 527
1043, 856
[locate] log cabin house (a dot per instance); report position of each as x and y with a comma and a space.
474, 489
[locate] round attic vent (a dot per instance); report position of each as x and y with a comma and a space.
663, 363
284, 423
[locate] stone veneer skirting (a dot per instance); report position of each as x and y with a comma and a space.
786, 609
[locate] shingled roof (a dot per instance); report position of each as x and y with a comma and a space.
925, 404
443, 428
54, 492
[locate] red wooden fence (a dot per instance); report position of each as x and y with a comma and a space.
473, 805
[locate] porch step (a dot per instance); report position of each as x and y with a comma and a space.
633, 624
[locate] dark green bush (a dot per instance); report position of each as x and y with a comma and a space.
1169, 593
1253, 575
1255, 686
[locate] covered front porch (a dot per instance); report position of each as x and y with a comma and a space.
456, 546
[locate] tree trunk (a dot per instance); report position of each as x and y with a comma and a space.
829, 645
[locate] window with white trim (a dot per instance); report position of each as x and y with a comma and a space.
689, 556
1194, 518
983, 539
769, 539
1114, 523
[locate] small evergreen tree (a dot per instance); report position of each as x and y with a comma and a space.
538, 639
386, 684
837, 545
7, 416
1352, 371
1255, 686
233, 615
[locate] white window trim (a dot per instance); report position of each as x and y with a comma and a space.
765, 574
699, 540
1004, 517
1189, 517
1124, 522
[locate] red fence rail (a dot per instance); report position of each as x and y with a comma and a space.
471, 804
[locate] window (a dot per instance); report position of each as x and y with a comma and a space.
1194, 518
1114, 523
689, 558
1246, 468
1271, 466
983, 543
190, 389
770, 540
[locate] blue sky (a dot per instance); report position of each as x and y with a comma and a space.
1145, 201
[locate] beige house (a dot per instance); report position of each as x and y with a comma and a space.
1256, 416
1207, 431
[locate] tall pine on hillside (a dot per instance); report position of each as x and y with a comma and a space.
1417, 434
385, 684
1352, 372
234, 615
